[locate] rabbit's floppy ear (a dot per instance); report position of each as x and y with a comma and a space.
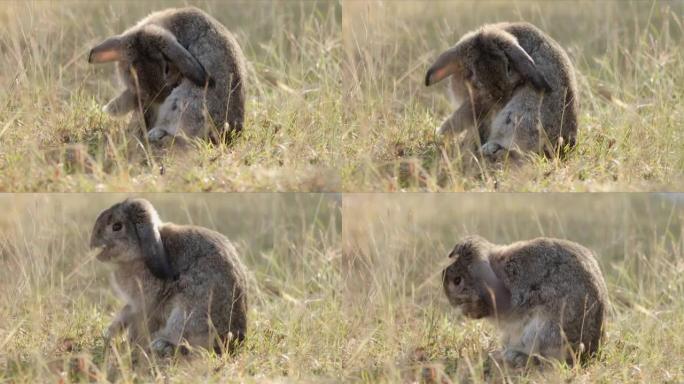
145, 221
108, 50
186, 63
446, 64
520, 59
470, 247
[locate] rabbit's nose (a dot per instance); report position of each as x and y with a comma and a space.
95, 240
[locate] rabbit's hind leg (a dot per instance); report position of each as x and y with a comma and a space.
167, 339
541, 339
538, 337
181, 114
167, 121
515, 129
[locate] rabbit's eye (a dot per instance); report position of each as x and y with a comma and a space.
457, 280
116, 227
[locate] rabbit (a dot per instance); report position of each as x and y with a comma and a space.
513, 85
548, 296
180, 284
178, 56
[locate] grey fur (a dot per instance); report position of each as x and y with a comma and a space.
202, 298
515, 86
547, 295
178, 56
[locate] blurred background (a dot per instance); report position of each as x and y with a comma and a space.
389, 41
625, 230
49, 41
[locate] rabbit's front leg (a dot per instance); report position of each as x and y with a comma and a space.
122, 104
462, 119
122, 320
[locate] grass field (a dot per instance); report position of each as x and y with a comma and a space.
336, 99
342, 288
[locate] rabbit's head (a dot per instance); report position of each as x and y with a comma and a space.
467, 280
150, 60
491, 61
128, 231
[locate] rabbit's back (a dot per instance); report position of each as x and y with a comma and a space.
560, 279
560, 107
217, 50
543, 271
212, 276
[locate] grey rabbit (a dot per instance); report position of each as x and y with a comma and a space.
181, 284
515, 86
183, 69
548, 296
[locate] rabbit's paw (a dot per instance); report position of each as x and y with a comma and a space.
517, 359
162, 347
155, 134
493, 151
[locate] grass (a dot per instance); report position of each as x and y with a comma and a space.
336, 99
343, 288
